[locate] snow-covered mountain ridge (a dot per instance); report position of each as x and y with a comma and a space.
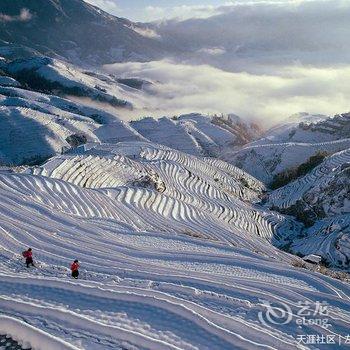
66, 29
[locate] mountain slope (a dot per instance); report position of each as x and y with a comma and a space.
36, 126
66, 28
308, 159
58, 118
160, 270
176, 250
179, 250
291, 144
321, 199
197, 134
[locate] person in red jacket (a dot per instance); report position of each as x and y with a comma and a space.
75, 269
28, 255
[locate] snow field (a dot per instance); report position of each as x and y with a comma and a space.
160, 270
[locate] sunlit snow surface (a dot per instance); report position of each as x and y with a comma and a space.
174, 254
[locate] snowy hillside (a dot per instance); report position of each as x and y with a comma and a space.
197, 134
60, 28
36, 126
308, 158
49, 125
47, 74
174, 255
296, 128
321, 199
291, 144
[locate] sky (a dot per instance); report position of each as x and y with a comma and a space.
153, 10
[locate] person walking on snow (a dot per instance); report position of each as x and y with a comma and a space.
75, 269
28, 255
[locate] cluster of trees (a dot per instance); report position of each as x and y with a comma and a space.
292, 174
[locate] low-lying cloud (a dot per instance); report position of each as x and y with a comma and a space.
24, 16
146, 32
154, 13
253, 34
180, 88
260, 59
213, 51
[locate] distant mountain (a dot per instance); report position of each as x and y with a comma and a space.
67, 28
243, 37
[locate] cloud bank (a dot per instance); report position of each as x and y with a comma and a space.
255, 34
154, 13
167, 11
179, 88
24, 16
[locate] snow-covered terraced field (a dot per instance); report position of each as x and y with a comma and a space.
323, 196
162, 266
329, 238
163, 180
316, 180
154, 289
266, 160
27, 134
290, 144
